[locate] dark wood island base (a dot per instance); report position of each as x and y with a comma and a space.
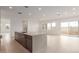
25, 40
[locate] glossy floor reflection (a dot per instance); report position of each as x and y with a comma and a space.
8, 45
55, 43
63, 43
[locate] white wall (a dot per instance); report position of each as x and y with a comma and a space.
15, 21
5, 19
55, 30
16, 25
33, 26
0, 21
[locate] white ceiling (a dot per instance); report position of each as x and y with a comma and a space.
45, 12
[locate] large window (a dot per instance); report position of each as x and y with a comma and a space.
64, 24
73, 24
51, 25
69, 27
69, 24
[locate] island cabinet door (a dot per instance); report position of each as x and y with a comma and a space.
29, 43
20, 38
23, 42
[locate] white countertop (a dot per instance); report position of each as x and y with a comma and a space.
33, 34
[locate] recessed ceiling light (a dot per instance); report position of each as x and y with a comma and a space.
30, 14
10, 7
73, 8
39, 9
44, 15
65, 13
74, 13
58, 14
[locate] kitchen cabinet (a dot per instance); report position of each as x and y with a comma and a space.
24, 40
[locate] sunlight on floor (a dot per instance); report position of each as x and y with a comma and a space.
7, 37
63, 43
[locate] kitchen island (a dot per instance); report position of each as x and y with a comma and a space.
34, 42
